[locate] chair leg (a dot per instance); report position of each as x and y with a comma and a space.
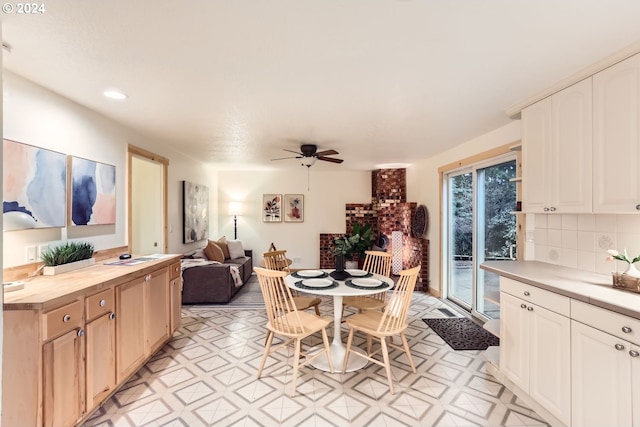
317, 310
348, 351
327, 349
268, 342
405, 344
387, 365
369, 344
296, 362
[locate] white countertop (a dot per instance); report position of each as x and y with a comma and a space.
592, 288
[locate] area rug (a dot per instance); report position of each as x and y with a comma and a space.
248, 297
462, 333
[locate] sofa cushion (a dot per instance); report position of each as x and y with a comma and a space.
235, 249
222, 242
214, 252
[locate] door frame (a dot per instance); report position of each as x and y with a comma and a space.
132, 151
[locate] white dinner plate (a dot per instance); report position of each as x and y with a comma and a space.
355, 272
317, 283
367, 282
309, 273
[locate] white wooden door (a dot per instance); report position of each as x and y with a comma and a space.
537, 171
572, 148
514, 340
600, 378
616, 115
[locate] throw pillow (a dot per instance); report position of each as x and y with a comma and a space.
199, 254
222, 242
235, 249
213, 252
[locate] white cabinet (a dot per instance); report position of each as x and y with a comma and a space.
616, 138
557, 152
535, 349
605, 368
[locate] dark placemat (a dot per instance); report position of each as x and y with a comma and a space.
301, 285
322, 276
349, 283
462, 333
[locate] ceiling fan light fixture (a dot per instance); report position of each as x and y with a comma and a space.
115, 94
308, 161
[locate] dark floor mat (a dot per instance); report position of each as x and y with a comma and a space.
462, 333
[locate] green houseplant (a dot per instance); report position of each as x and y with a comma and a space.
352, 247
65, 254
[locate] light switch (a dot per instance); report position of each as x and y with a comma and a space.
31, 254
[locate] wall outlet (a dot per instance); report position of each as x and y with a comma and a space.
30, 254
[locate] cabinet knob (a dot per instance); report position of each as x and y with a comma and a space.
626, 329
66, 318
552, 209
102, 303
147, 277
619, 347
638, 207
634, 353
529, 308
546, 209
80, 332
112, 316
523, 306
526, 293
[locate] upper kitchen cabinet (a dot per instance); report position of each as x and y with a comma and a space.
557, 152
616, 115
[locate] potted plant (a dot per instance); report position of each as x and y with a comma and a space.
67, 257
352, 247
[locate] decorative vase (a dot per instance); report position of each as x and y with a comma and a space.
632, 271
339, 261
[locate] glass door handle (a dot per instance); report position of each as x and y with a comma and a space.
511, 248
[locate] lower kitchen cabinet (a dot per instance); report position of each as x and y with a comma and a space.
130, 342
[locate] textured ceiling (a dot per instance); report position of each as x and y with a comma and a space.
381, 81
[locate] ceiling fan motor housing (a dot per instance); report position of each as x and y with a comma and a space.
308, 150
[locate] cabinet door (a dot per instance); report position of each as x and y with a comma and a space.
158, 304
514, 340
101, 358
537, 170
550, 357
176, 304
616, 109
600, 378
63, 382
634, 352
572, 148
130, 320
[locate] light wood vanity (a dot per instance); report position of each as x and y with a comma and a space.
71, 340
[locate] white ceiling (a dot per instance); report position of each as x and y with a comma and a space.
381, 81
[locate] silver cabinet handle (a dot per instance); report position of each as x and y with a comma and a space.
626, 329
523, 306
526, 293
619, 347
529, 308
634, 353
80, 332
102, 303
112, 316
66, 318
546, 209
552, 209
147, 277
638, 207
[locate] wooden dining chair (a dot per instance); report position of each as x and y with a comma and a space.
384, 324
284, 320
277, 260
376, 262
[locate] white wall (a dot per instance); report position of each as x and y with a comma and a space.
423, 181
36, 116
324, 208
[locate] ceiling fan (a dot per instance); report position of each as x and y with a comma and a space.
309, 154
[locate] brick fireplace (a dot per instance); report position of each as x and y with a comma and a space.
387, 212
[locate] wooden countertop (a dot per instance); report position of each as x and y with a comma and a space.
592, 288
44, 292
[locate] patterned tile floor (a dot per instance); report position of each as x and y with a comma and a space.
206, 376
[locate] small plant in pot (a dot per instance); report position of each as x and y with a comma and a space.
66, 253
352, 247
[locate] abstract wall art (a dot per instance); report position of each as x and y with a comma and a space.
34, 185
93, 192
293, 208
195, 198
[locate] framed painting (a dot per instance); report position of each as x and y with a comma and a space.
34, 187
271, 208
294, 207
93, 192
195, 201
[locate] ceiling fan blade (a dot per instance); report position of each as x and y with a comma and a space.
295, 152
326, 153
284, 158
330, 159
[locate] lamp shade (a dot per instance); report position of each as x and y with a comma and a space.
235, 208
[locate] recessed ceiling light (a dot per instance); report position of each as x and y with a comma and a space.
115, 94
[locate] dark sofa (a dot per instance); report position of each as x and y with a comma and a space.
213, 283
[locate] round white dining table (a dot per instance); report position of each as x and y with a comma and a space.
338, 348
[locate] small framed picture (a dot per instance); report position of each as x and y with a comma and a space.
293, 206
271, 208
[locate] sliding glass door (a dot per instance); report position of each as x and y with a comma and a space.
479, 227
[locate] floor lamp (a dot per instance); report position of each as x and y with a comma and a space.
235, 210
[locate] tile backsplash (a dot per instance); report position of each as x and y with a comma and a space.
581, 241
